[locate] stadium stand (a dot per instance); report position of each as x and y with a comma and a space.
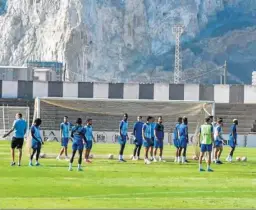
53, 115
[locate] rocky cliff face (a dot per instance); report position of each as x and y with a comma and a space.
131, 40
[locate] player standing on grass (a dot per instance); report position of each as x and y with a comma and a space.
183, 137
65, 127
78, 135
137, 132
36, 141
147, 138
159, 138
89, 138
175, 138
19, 127
123, 132
206, 141
153, 125
218, 141
232, 141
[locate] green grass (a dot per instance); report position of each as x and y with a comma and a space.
109, 184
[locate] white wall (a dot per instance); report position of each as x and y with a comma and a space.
249, 94
40, 89
221, 93
191, 92
131, 91
100, 90
9, 89
70, 89
161, 91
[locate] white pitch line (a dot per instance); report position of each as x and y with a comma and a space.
123, 195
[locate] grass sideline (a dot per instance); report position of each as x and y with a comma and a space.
110, 184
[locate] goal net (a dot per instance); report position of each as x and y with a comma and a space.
7, 116
107, 113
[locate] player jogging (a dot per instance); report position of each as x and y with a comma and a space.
159, 139
78, 135
151, 148
218, 141
137, 132
123, 131
89, 140
176, 140
183, 137
206, 140
232, 141
36, 141
147, 138
65, 127
19, 127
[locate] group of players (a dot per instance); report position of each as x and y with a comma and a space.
149, 134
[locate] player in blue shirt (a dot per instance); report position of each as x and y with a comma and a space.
19, 127
153, 125
89, 140
147, 137
65, 128
123, 136
183, 137
36, 141
218, 141
159, 138
137, 132
175, 138
78, 135
232, 140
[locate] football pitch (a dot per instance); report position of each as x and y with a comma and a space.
110, 184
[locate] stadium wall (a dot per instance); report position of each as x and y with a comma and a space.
218, 93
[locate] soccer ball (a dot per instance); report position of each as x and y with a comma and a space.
238, 159
110, 156
131, 156
42, 155
195, 157
91, 156
244, 159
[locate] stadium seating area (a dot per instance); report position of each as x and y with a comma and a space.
53, 115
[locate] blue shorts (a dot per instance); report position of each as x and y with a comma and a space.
176, 143
206, 147
218, 143
231, 142
88, 145
64, 141
183, 143
77, 145
148, 143
122, 139
158, 144
152, 141
36, 145
138, 142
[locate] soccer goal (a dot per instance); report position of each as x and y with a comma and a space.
7, 116
107, 113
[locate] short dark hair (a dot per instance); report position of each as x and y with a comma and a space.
185, 119
125, 114
220, 120
38, 121
19, 114
66, 117
79, 121
207, 119
210, 117
149, 118
88, 120
179, 119
140, 117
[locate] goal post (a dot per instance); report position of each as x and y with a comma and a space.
107, 113
7, 116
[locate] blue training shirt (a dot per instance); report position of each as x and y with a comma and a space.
153, 125
159, 128
78, 133
123, 127
175, 132
147, 130
36, 131
20, 128
65, 128
233, 131
88, 132
137, 130
183, 131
